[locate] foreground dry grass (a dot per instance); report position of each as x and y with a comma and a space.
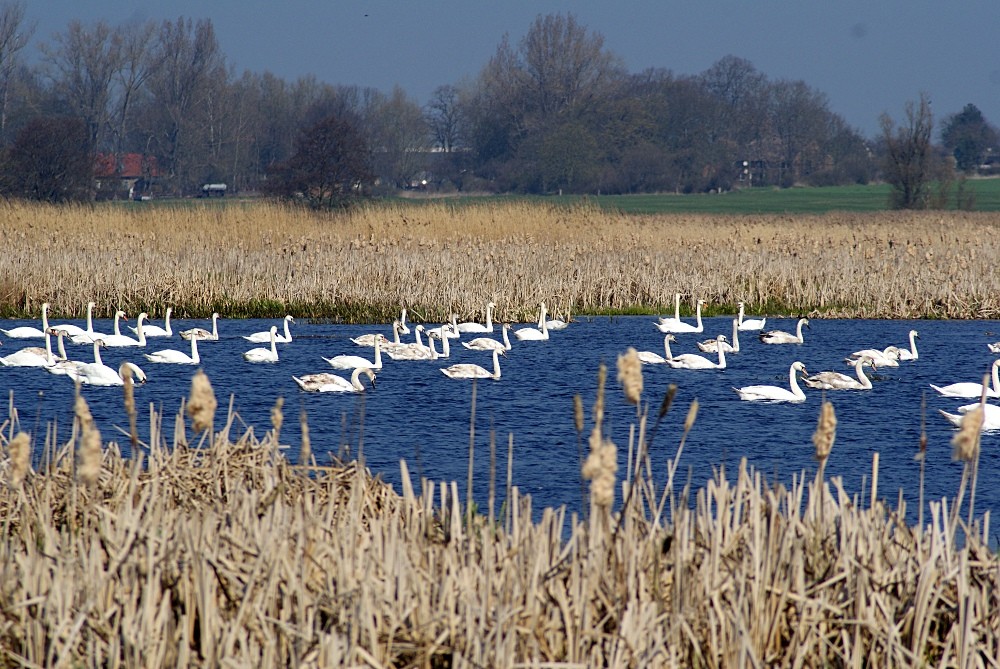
221, 553
264, 260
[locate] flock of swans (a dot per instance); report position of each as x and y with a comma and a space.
419, 342
96, 373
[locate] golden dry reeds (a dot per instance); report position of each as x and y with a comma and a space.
263, 259
229, 556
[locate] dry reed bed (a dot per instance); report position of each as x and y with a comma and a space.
219, 552
263, 259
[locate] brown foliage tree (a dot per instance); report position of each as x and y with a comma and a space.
329, 168
49, 161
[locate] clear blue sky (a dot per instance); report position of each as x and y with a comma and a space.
868, 56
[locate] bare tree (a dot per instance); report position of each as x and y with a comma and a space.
85, 60
190, 70
444, 117
908, 155
14, 36
135, 67
399, 140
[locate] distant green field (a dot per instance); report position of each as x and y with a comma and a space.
770, 201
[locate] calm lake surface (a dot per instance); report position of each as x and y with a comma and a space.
417, 414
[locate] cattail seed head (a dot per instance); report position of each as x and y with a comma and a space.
602, 375
202, 403
90, 444
305, 450
578, 413
277, 416
965, 443
20, 458
600, 468
630, 375
692, 414
826, 432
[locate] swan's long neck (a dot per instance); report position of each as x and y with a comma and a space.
489, 317
396, 327
677, 307
215, 326
90, 317
446, 347
996, 378
496, 364
194, 350
274, 342
140, 333
798, 330
506, 338
859, 367
45, 317
118, 327
378, 351
739, 318
736, 336
697, 315
666, 347
288, 333
48, 347
793, 383
97, 352
722, 355
434, 353
356, 376
62, 345
166, 323
913, 344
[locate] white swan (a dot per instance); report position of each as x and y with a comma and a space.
118, 340
449, 329
487, 344
62, 364
445, 346
472, 326
781, 337
416, 351
331, 383
677, 312
29, 332
776, 393
747, 324
397, 348
994, 347
540, 333
98, 374
839, 381
887, 357
681, 326
712, 345
991, 416
265, 354
202, 333
75, 330
651, 358
558, 323
909, 353
265, 336
971, 389
171, 356
355, 361
31, 356
369, 339
472, 371
155, 330
695, 361
90, 336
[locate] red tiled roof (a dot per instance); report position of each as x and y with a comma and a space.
126, 166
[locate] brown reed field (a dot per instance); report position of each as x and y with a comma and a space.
265, 260
208, 548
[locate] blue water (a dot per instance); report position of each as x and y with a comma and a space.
417, 414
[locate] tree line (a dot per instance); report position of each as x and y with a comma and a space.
557, 112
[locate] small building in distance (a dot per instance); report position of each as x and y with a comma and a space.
131, 176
